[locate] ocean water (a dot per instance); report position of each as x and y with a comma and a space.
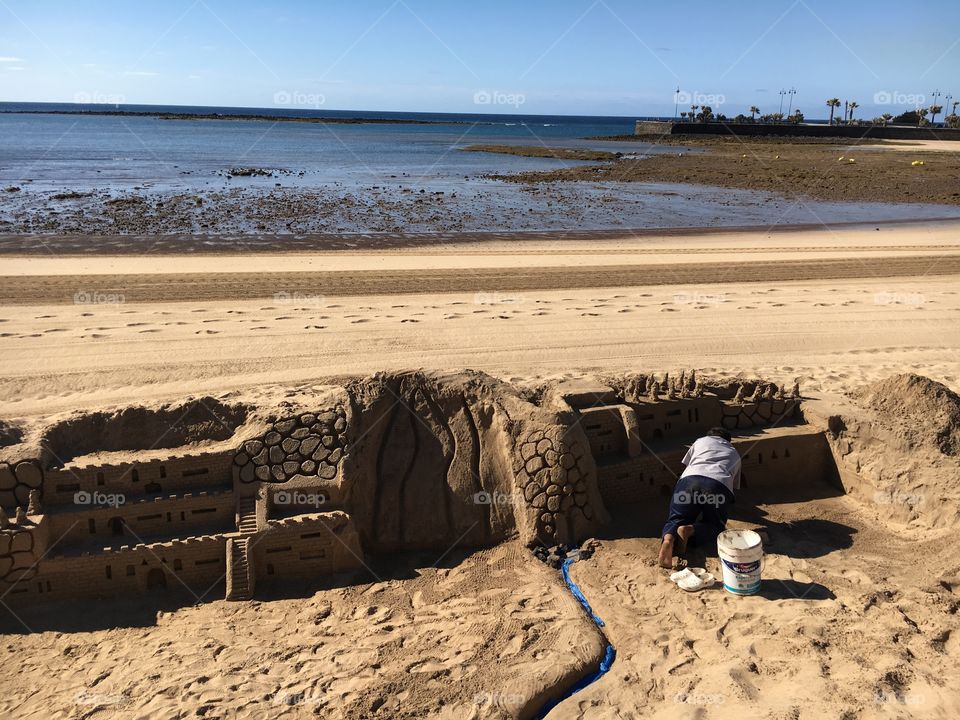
64, 171
81, 152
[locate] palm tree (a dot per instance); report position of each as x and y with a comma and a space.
934, 111
753, 111
833, 103
886, 117
853, 106
921, 116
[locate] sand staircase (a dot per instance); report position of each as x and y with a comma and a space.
247, 516
239, 579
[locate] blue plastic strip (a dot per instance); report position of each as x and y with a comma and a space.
609, 653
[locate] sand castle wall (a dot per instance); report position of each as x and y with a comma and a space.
308, 546
389, 463
191, 566
139, 479
173, 515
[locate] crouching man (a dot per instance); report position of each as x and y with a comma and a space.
698, 509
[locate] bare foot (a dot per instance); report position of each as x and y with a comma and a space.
684, 532
666, 552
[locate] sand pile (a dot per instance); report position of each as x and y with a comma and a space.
896, 450
922, 410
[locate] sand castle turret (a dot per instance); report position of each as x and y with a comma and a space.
781, 392
682, 381
21, 516
698, 389
796, 390
33, 504
770, 392
671, 393
654, 393
756, 394
738, 398
692, 381
4, 520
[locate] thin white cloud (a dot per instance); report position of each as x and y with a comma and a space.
10, 59
140, 73
193, 77
14, 67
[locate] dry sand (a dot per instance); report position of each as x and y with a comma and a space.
719, 302
859, 618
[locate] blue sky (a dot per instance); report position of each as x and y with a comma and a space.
616, 57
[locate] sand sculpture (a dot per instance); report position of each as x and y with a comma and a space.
383, 464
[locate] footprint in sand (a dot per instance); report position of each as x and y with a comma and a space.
589, 314
668, 310
264, 327
55, 330
138, 324
44, 317
206, 332
541, 312
305, 327
88, 314
149, 330
777, 304
409, 320
198, 310
359, 320
625, 310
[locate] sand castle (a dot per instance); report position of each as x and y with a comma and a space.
235, 496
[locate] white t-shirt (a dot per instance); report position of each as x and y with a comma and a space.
715, 458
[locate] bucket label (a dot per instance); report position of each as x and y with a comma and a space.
742, 568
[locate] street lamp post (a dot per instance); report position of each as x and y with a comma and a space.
791, 92
676, 102
782, 93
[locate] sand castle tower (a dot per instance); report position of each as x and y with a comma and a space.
33, 504
4, 520
21, 516
738, 398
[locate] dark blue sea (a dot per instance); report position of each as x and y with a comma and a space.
108, 151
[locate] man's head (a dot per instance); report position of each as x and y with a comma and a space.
719, 432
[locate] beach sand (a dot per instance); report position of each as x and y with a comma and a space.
859, 614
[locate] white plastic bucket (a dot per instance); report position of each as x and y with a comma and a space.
741, 559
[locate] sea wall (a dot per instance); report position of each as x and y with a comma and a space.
886, 132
